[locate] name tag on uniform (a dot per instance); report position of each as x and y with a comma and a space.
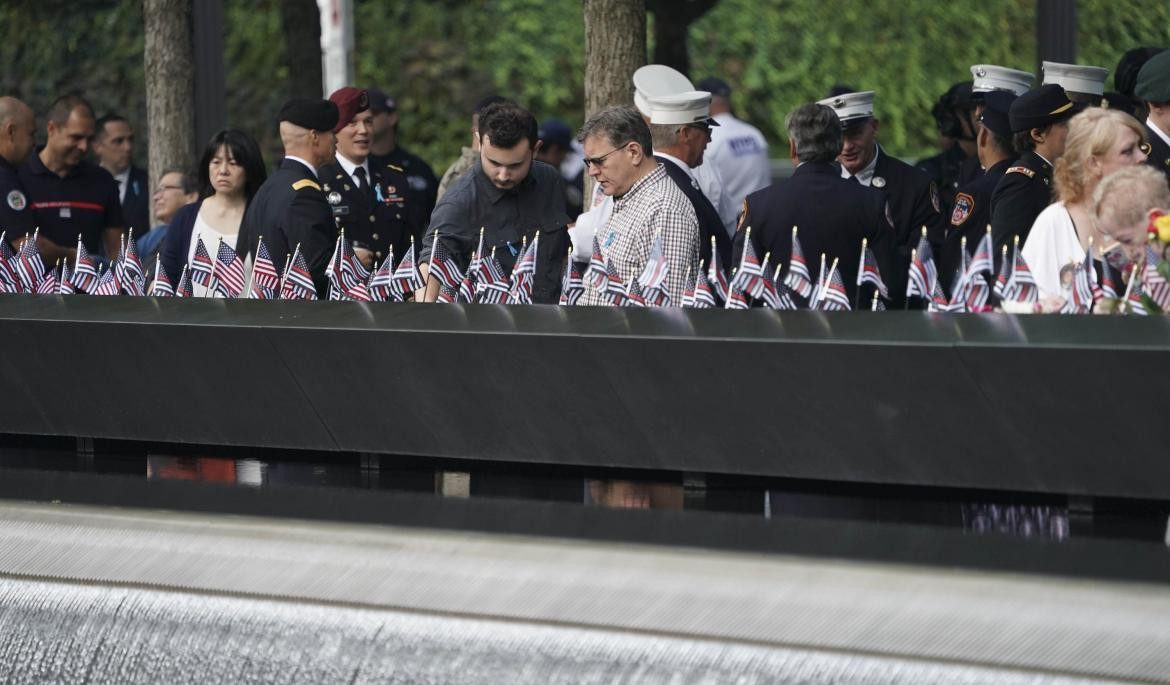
65, 212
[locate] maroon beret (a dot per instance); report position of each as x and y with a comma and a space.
350, 101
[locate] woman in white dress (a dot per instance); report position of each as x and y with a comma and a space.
230, 172
1100, 141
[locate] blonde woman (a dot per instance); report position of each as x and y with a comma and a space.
1100, 141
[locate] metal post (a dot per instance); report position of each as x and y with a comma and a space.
336, 43
1056, 31
210, 90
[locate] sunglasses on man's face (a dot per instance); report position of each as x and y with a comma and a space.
598, 161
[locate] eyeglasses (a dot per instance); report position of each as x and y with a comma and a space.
596, 161
163, 189
705, 128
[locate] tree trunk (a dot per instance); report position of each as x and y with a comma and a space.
672, 22
170, 89
615, 46
301, 22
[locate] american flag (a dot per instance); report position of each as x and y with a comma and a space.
352, 274
383, 279
133, 275
814, 301
940, 303
703, 297
834, 298
108, 283
775, 293
868, 271
48, 285
1021, 285
201, 264
1155, 286
65, 285
597, 273
7, 278
1080, 293
493, 285
407, 278
298, 281
923, 272
84, 269
982, 262
161, 287
264, 272
1134, 298
443, 266
749, 277
229, 272
653, 277
469, 287
466, 288
798, 279
715, 275
614, 286
634, 295
688, 298
183, 289
27, 265
572, 283
523, 275
1108, 281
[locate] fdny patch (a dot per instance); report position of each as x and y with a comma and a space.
17, 201
742, 217
1021, 170
934, 197
964, 204
306, 183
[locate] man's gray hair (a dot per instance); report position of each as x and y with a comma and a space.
618, 125
1125, 197
664, 135
816, 130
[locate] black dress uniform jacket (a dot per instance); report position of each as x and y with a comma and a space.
136, 203
290, 208
1159, 152
1021, 194
375, 216
970, 214
709, 222
833, 215
424, 185
914, 203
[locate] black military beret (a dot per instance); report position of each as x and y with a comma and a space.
310, 113
1153, 81
997, 105
1046, 105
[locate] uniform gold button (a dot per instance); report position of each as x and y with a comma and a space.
375, 236
371, 218
397, 216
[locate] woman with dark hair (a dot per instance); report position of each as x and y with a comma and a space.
230, 172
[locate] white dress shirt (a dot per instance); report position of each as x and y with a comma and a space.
865, 176
350, 168
312, 168
1160, 133
123, 180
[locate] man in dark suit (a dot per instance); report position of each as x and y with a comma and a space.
971, 205
113, 145
369, 201
914, 199
833, 214
680, 128
1153, 86
290, 209
1039, 121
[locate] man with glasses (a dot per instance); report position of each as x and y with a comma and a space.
680, 129
511, 196
175, 188
647, 205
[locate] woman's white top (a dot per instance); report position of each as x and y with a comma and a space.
1052, 244
211, 237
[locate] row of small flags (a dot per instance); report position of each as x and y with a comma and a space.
485, 281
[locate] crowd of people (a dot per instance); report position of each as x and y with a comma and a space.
1042, 200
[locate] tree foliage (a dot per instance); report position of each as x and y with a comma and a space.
438, 57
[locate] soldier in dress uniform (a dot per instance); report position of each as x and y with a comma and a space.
971, 206
1153, 86
680, 129
913, 197
832, 214
1039, 121
369, 201
290, 208
1084, 85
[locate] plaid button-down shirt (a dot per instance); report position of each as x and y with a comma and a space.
654, 205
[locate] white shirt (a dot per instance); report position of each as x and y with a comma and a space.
588, 223
123, 180
350, 168
1161, 134
678, 163
711, 183
298, 159
865, 176
211, 237
740, 153
1053, 244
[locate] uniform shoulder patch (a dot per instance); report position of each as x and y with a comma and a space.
1021, 170
964, 205
306, 183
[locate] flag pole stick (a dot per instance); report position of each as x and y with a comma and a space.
288, 261
913, 256
157, 266
860, 272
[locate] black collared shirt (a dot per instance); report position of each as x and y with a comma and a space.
536, 203
16, 217
84, 202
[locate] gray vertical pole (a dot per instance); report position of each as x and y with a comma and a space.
210, 83
1056, 31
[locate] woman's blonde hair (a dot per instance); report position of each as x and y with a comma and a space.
1090, 134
